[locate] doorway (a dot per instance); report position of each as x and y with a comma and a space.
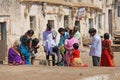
3, 41
110, 26
66, 21
51, 22
77, 23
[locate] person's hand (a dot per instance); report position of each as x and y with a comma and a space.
89, 46
37, 46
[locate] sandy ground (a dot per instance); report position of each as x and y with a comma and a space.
40, 72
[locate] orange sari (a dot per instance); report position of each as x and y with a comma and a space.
107, 58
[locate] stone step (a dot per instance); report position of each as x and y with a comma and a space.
117, 37
116, 47
116, 41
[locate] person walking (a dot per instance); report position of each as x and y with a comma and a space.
107, 58
95, 47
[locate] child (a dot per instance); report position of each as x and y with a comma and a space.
35, 46
57, 52
76, 60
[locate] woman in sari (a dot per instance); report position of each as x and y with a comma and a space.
14, 56
107, 58
26, 45
69, 46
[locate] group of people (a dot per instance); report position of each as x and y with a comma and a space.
69, 47
101, 51
23, 51
67, 50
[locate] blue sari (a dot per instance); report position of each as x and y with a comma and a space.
25, 49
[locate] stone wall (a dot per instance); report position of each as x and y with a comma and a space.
11, 10
117, 19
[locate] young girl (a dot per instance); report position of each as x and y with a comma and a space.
75, 59
35, 46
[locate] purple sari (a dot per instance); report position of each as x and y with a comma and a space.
14, 57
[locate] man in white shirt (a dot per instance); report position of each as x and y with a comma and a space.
95, 47
49, 41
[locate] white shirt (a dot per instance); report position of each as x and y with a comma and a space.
96, 46
48, 41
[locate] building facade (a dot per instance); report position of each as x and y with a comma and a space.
117, 15
18, 16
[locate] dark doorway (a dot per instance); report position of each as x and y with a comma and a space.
66, 21
3, 41
77, 23
90, 22
110, 26
51, 22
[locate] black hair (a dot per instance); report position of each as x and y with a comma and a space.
30, 32
55, 49
106, 36
92, 30
71, 32
35, 41
49, 26
75, 46
61, 30
24, 38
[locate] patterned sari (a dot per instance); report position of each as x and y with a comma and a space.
107, 58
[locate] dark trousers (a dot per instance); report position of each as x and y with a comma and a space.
96, 61
53, 59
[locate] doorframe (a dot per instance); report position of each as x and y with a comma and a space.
110, 20
6, 19
3, 40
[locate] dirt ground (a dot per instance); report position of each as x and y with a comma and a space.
40, 72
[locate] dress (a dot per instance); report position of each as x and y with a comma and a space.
75, 58
13, 56
106, 58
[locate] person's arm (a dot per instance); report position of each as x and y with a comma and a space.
93, 43
110, 49
65, 46
30, 44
